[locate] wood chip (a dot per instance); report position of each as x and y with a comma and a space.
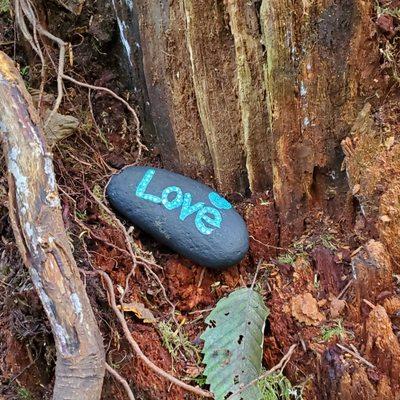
337, 307
389, 142
140, 311
305, 309
356, 189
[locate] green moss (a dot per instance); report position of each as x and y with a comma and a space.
337, 331
278, 387
288, 258
4, 6
329, 241
177, 343
24, 394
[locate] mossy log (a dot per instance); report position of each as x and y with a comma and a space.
35, 213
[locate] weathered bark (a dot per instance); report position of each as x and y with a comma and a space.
132, 64
259, 94
373, 164
212, 57
252, 94
316, 64
382, 345
374, 275
209, 113
38, 227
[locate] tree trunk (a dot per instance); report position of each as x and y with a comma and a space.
256, 95
38, 227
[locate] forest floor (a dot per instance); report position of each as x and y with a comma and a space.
309, 287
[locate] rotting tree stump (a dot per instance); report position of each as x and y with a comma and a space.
35, 213
255, 95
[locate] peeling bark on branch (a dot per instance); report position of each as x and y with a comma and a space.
39, 231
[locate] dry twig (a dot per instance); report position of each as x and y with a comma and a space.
345, 288
356, 355
121, 380
268, 245
368, 303
256, 273
137, 349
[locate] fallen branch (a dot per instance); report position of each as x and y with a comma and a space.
36, 219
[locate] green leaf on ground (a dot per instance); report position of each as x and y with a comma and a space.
233, 345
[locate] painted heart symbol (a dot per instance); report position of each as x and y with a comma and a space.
218, 201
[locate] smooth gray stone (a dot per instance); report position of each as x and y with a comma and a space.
185, 215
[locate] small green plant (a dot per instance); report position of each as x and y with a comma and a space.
265, 202
214, 286
81, 215
327, 333
302, 247
287, 258
178, 343
24, 394
200, 380
24, 71
392, 11
329, 241
278, 387
4, 6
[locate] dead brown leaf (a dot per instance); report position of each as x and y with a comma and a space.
140, 311
305, 309
392, 305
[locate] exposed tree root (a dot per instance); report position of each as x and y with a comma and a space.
24, 10
121, 380
135, 346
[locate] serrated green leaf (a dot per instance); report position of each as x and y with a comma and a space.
233, 343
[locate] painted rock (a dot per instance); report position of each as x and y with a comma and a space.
183, 214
